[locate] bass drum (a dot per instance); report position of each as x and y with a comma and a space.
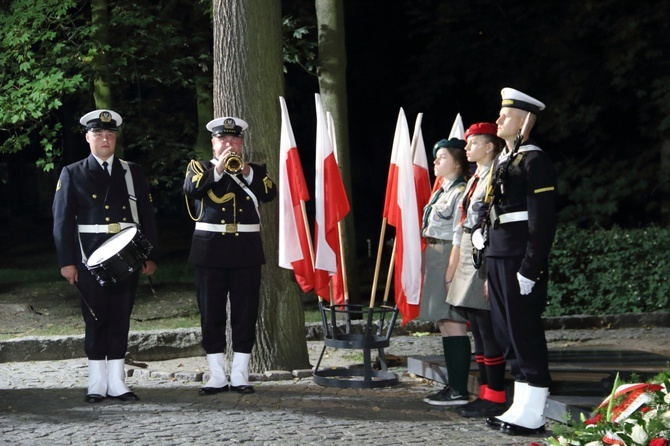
119, 257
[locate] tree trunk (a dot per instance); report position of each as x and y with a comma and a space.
665, 168
333, 88
102, 93
248, 80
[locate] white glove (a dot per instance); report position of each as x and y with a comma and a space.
525, 285
478, 239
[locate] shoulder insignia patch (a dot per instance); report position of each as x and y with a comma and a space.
268, 183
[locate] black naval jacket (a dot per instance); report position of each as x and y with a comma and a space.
224, 202
530, 185
86, 194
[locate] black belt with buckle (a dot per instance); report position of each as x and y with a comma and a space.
436, 241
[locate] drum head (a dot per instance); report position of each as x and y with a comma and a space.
112, 246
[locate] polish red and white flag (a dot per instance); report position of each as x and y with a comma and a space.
332, 205
295, 251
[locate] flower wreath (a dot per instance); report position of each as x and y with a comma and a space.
634, 414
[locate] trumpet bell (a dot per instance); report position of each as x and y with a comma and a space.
233, 164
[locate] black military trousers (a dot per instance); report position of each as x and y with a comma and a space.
214, 287
517, 321
107, 332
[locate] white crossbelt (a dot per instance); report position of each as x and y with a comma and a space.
511, 217
111, 228
229, 228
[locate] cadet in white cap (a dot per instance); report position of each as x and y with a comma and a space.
95, 199
521, 227
227, 250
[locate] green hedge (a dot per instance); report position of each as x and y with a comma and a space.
611, 271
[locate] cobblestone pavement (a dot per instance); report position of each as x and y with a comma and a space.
41, 403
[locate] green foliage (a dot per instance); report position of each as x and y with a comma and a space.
629, 192
297, 46
613, 271
43, 46
156, 53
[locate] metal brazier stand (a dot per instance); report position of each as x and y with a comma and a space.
379, 322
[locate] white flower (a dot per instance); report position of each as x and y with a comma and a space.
595, 443
638, 434
650, 415
665, 419
666, 398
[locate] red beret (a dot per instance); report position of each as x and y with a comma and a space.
482, 128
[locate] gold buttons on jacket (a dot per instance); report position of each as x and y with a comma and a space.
106, 218
106, 206
94, 196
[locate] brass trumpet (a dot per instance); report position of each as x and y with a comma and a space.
233, 164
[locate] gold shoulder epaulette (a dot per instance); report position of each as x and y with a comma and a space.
195, 168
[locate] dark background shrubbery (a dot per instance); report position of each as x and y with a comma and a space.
598, 271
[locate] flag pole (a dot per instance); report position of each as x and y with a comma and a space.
345, 286
309, 237
343, 263
378, 263
389, 276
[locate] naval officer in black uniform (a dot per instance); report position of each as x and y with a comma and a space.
520, 235
227, 250
94, 201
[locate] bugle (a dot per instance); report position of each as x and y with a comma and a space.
233, 164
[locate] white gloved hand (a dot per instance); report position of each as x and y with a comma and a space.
525, 285
478, 239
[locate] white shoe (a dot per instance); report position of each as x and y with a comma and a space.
531, 415
518, 402
116, 378
239, 373
97, 378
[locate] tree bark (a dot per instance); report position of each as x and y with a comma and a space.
102, 93
333, 89
248, 80
665, 198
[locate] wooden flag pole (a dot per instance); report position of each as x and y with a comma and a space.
343, 263
309, 237
389, 276
380, 249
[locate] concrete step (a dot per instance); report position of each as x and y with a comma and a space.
581, 378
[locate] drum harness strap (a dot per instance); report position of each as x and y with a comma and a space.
96, 229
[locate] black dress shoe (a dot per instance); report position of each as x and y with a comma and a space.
126, 397
242, 389
212, 390
513, 429
94, 398
494, 422
483, 409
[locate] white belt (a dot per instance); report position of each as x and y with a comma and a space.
226, 229
111, 228
511, 217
